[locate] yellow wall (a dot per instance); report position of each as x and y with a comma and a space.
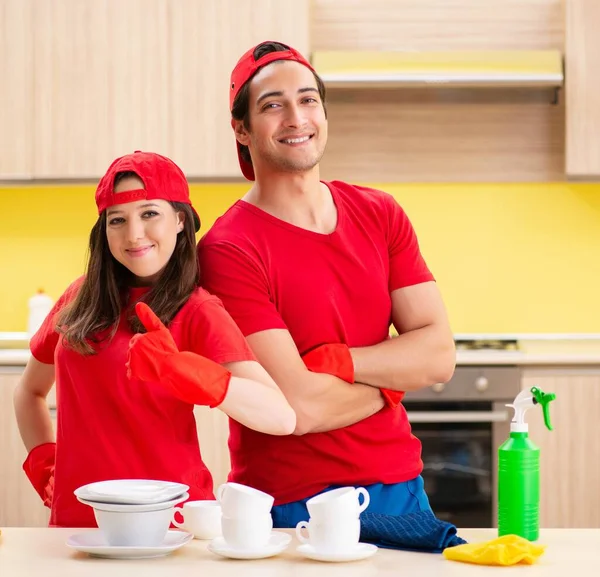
508, 257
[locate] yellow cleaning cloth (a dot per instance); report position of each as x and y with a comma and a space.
506, 550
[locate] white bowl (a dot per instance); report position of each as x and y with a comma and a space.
134, 525
143, 529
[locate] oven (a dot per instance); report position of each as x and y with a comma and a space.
461, 424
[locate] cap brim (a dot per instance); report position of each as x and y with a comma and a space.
247, 169
196, 219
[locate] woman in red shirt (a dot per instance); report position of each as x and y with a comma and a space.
133, 345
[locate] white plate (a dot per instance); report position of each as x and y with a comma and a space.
131, 491
361, 551
127, 508
94, 543
278, 542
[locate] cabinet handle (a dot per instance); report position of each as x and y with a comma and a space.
457, 416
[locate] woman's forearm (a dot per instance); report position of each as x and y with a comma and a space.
258, 406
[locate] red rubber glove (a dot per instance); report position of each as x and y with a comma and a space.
39, 468
154, 357
336, 359
392, 398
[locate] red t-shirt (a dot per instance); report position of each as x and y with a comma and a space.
110, 427
323, 288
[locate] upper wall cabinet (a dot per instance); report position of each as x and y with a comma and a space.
88, 81
442, 91
206, 39
16, 90
437, 24
582, 62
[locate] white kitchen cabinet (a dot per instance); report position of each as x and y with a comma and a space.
570, 454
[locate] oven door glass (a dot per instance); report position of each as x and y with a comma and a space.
458, 463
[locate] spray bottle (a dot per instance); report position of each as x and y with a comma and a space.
519, 470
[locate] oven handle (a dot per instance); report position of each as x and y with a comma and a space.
458, 416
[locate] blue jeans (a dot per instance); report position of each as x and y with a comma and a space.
397, 499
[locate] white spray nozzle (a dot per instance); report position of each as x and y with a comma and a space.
522, 403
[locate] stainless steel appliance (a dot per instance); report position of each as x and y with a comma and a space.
461, 424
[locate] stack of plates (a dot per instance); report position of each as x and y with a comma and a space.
132, 494
133, 517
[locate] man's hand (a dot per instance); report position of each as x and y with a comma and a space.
335, 359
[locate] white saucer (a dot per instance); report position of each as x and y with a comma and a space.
278, 542
361, 551
94, 543
131, 491
128, 508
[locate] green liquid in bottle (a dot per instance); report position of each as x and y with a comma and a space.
519, 487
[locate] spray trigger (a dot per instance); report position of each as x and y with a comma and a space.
544, 399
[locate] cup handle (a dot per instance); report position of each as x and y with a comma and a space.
175, 521
366, 499
299, 527
220, 492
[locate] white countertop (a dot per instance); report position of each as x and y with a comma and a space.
14, 356
43, 553
524, 358
534, 349
583, 357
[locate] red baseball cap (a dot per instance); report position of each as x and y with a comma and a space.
244, 70
162, 178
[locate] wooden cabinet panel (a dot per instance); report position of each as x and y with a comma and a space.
570, 454
102, 84
20, 505
437, 24
582, 87
16, 93
430, 135
113, 77
201, 138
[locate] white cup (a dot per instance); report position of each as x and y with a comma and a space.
201, 518
134, 529
340, 535
244, 533
242, 501
338, 503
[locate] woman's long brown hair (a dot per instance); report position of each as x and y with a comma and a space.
93, 316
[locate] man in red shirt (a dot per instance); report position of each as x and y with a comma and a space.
313, 273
